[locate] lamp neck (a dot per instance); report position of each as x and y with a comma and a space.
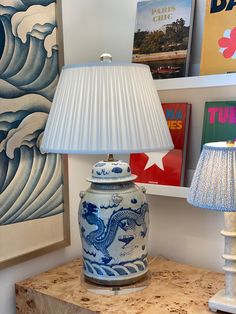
110, 158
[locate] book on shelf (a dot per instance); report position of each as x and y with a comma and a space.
219, 122
168, 167
162, 37
219, 35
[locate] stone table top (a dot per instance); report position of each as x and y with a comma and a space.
171, 288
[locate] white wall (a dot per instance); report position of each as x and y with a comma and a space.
177, 230
197, 36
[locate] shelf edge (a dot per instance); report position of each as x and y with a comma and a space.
165, 190
216, 80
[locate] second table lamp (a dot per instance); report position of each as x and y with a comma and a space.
214, 187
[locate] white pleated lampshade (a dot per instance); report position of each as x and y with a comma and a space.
106, 108
214, 181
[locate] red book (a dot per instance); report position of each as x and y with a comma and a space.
166, 168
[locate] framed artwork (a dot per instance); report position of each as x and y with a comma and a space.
34, 211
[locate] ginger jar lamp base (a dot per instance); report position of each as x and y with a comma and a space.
113, 222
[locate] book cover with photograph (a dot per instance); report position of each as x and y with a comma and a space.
168, 167
219, 122
219, 38
162, 37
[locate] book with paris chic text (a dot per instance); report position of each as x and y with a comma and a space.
162, 36
219, 122
219, 37
168, 167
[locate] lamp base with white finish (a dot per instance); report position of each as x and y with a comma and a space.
225, 300
220, 302
113, 221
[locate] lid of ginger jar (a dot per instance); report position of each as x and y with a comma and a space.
111, 172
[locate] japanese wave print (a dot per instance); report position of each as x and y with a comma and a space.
30, 182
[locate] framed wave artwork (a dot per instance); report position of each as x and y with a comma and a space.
34, 213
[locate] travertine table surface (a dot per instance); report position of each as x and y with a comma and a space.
172, 288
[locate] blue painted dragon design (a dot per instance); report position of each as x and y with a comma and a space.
103, 236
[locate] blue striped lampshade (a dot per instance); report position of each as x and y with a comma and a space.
214, 182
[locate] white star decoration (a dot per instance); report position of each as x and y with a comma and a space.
156, 158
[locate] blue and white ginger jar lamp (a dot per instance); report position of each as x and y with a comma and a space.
109, 108
114, 220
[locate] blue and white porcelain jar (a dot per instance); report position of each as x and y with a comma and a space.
114, 220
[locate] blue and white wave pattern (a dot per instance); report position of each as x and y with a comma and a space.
115, 270
30, 183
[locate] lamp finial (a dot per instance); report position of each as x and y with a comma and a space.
106, 57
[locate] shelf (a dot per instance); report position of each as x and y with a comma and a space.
181, 86
205, 81
166, 190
